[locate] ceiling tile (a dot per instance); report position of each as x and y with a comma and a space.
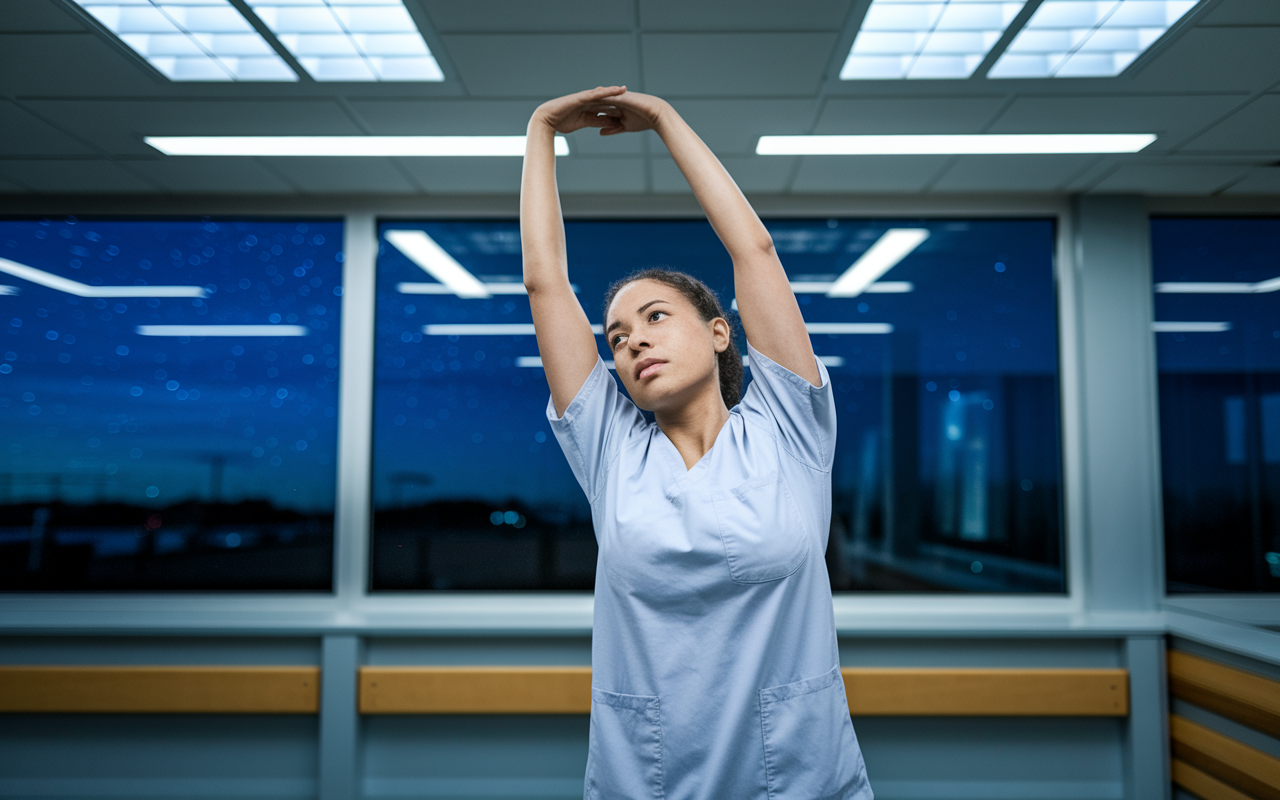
342, 175
734, 126
40, 15
1214, 59
863, 174
907, 115
751, 173
1243, 12
1038, 173
1170, 178
118, 126
743, 15
21, 134
759, 64
600, 175
72, 176
406, 117
78, 64
1171, 117
200, 175
1262, 180
465, 175
542, 66
1254, 128
551, 16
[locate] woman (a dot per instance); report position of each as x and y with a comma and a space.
714, 664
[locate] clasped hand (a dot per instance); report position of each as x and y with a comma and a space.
612, 109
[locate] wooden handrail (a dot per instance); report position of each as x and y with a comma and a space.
1245, 697
1202, 784
871, 691
1238, 765
160, 690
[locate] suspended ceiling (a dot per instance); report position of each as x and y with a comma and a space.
74, 105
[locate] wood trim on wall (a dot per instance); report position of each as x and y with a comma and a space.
1238, 765
1247, 698
160, 690
1202, 784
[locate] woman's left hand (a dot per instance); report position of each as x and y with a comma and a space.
633, 111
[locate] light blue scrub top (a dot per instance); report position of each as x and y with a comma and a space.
714, 664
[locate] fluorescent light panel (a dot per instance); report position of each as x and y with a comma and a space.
892, 246
919, 40
1087, 38
398, 146
192, 40
351, 40
422, 250
948, 144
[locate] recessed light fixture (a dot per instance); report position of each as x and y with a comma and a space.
1087, 38
406, 146
351, 40
192, 40
938, 39
960, 144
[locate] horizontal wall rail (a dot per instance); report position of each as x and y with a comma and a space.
1242, 696
1238, 765
871, 691
160, 690
1202, 784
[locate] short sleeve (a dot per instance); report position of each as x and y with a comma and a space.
594, 426
802, 415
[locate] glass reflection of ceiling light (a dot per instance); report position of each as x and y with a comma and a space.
345, 146
1190, 327
489, 329
351, 40
61, 284
879, 287
192, 40
952, 144
222, 330
1191, 287
1087, 38
9, 290
422, 250
536, 361
924, 39
848, 327
893, 246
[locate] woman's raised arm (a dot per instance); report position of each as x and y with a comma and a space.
770, 315
565, 340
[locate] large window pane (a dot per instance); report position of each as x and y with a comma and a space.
947, 474
1217, 317
168, 403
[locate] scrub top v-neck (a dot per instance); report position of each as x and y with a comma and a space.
714, 665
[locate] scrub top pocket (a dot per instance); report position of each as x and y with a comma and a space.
810, 752
625, 759
762, 530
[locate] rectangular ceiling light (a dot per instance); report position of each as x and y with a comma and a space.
1087, 38
351, 40
192, 40
395, 146
953, 144
927, 39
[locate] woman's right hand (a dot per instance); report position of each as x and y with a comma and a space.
589, 109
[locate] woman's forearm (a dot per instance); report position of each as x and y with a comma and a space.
541, 223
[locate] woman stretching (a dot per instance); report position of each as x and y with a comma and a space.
714, 666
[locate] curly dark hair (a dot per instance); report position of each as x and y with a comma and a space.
708, 305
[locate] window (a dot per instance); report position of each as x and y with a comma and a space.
168, 402
941, 341
1218, 353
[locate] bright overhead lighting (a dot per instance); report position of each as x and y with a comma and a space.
351, 40
221, 330
1087, 38
422, 250
192, 40
953, 144
893, 246
337, 146
939, 39
61, 284
1191, 287
1190, 327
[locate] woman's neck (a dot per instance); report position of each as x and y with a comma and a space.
693, 427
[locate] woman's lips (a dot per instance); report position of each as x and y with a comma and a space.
650, 370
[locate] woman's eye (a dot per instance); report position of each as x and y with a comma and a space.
656, 313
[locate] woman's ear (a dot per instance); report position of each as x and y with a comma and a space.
721, 334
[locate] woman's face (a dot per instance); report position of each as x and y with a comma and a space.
663, 350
